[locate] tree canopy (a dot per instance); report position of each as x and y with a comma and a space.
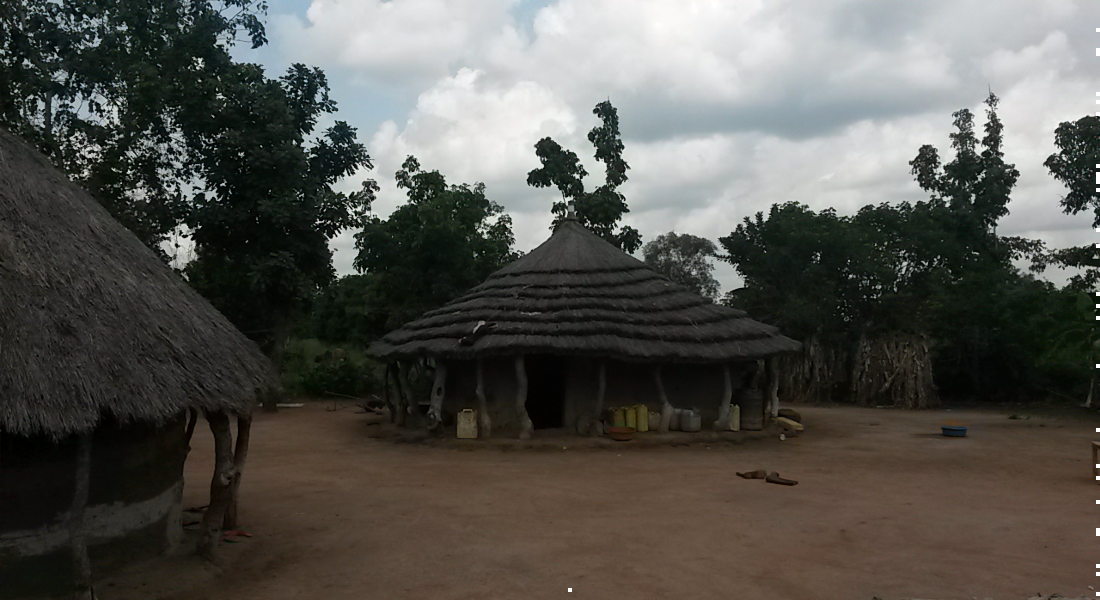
444, 240
601, 209
685, 259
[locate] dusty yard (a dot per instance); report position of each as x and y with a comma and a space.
884, 507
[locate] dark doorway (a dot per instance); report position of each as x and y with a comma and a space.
545, 391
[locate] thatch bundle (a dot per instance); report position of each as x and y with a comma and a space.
93, 323
578, 295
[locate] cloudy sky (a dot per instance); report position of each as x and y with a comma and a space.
726, 107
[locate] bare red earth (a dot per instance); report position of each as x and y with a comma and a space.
884, 507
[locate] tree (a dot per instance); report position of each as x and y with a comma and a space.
1074, 165
685, 259
98, 86
345, 311
443, 241
266, 212
602, 209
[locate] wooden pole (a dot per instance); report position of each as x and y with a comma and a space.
771, 376
484, 422
666, 406
601, 390
439, 390
386, 391
82, 565
240, 455
723, 422
399, 409
412, 409
220, 485
525, 425
192, 419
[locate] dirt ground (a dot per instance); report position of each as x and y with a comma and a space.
884, 507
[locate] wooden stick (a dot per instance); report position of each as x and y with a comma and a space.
240, 455
210, 532
723, 422
439, 390
484, 422
597, 429
771, 375
525, 425
666, 406
82, 565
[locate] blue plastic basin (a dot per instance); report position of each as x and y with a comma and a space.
953, 431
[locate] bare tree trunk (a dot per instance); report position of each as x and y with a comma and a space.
484, 421
439, 390
82, 564
240, 455
666, 406
220, 485
723, 422
771, 378
601, 391
525, 425
278, 350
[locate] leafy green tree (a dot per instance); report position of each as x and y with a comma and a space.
99, 85
601, 209
443, 241
685, 259
344, 311
267, 210
1074, 165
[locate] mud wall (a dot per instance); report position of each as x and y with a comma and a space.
133, 506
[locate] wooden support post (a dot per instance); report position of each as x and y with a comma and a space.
220, 485
771, 392
192, 419
597, 429
723, 422
78, 544
240, 455
439, 390
399, 409
666, 406
412, 407
386, 391
1096, 461
484, 422
525, 425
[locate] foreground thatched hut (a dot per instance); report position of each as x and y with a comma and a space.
575, 326
104, 354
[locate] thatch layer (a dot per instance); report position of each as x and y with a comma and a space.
93, 323
578, 295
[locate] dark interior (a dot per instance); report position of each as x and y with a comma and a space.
546, 391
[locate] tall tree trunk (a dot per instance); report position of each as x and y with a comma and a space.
220, 485
240, 455
278, 352
525, 425
82, 565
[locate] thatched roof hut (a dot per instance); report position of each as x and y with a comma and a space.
102, 351
578, 297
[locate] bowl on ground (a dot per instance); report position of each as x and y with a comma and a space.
621, 434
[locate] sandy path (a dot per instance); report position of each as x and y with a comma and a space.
884, 507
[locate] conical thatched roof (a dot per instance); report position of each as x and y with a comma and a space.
578, 295
93, 323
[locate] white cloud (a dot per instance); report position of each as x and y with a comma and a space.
726, 107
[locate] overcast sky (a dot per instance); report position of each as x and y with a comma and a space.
725, 107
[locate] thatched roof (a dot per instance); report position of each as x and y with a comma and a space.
93, 323
578, 295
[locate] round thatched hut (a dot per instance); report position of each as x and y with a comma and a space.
575, 326
106, 357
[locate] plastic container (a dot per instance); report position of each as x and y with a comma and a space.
654, 420
691, 421
735, 418
631, 418
467, 424
953, 430
618, 417
674, 424
642, 416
